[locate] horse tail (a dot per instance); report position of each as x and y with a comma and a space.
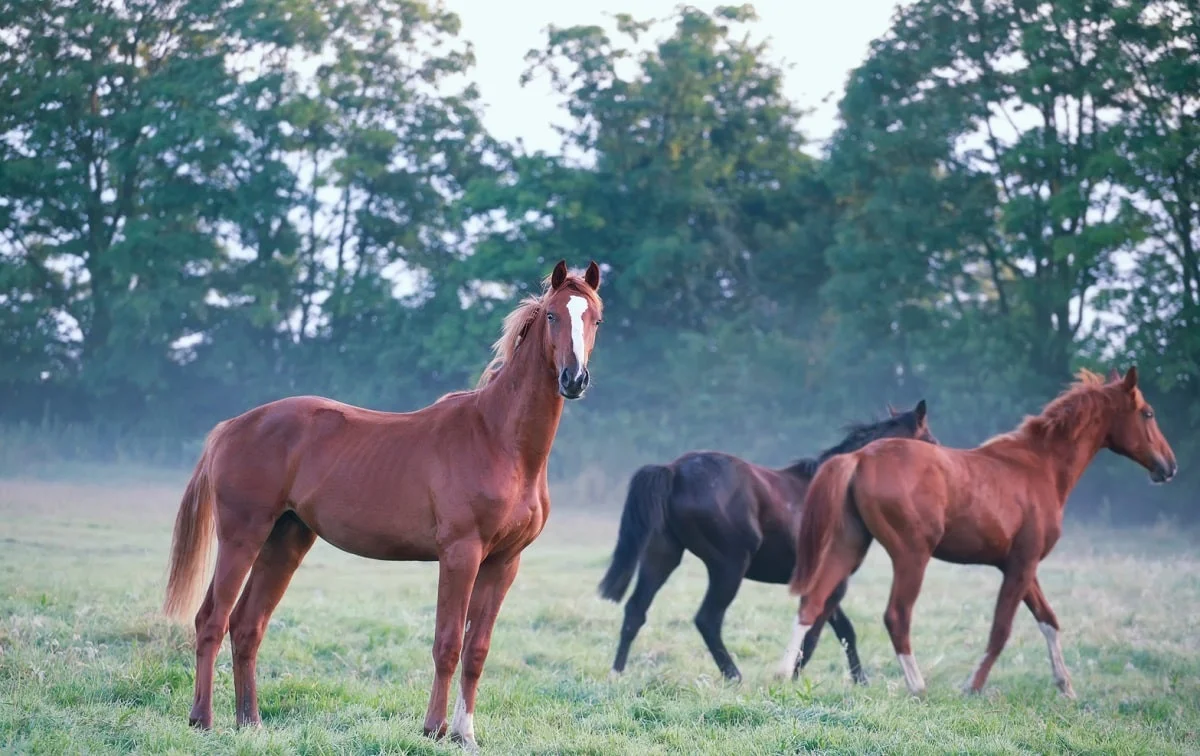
193, 537
645, 507
828, 497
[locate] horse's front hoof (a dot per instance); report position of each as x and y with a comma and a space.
468, 742
437, 732
1066, 689
201, 723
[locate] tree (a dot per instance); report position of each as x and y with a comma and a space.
978, 170
686, 178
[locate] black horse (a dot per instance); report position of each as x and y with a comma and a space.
738, 518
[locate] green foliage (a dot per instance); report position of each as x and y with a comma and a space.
205, 205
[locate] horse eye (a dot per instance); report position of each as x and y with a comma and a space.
1147, 413
550, 317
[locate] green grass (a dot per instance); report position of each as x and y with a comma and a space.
87, 665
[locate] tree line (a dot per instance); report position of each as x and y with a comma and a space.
206, 205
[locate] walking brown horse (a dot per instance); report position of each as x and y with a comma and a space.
736, 516
461, 482
998, 504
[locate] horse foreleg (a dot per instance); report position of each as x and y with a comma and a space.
1012, 591
458, 566
1048, 624
724, 579
277, 562
844, 630
815, 609
491, 586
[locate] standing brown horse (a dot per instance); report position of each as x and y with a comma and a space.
462, 482
999, 504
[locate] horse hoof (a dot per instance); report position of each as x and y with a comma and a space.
861, 680
437, 733
1066, 689
200, 723
614, 675
468, 744
253, 724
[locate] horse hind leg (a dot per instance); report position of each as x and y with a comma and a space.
281, 555
241, 533
659, 559
908, 573
840, 562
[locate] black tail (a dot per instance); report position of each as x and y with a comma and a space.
645, 505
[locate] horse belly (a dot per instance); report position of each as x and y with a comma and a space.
967, 545
773, 562
373, 532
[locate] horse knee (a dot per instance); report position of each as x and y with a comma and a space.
445, 655
473, 658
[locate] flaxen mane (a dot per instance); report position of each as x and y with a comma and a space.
1086, 396
516, 325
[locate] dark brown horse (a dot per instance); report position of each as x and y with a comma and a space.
737, 517
999, 504
461, 482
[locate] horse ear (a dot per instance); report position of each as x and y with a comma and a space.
592, 276
1130, 380
919, 411
559, 275
1113, 375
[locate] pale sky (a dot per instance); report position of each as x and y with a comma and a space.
817, 42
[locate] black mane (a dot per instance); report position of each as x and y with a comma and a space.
858, 435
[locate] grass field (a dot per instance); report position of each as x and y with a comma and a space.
88, 666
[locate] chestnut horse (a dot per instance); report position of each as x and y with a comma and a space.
737, 517
461, 482
998, 504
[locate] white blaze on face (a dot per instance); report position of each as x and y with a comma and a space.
576, 306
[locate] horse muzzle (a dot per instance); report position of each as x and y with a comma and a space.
572, 387
1163, 470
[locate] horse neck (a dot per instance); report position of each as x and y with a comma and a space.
1071, 450
522, 403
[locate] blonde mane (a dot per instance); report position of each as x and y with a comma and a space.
517, 324
1088, 395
